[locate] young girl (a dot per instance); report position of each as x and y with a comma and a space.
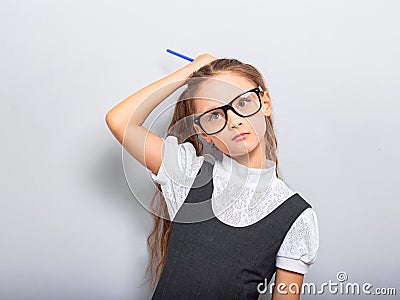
235, 223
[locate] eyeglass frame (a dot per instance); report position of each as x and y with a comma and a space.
227, 106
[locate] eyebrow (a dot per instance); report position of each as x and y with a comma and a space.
212, 107
216, 106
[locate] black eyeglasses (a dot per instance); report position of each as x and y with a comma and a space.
244, 105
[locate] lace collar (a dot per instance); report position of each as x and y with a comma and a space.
245, 176
237, 183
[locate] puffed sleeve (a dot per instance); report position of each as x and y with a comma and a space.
177, 172
299, 249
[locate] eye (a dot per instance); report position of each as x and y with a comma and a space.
214, 116
243, 102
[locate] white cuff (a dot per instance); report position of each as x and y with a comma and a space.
295, 265
160, 178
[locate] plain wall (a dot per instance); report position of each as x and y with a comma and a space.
71, 226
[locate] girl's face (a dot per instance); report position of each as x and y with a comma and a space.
220, 90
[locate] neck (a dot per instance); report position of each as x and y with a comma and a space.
255, 158
257, 176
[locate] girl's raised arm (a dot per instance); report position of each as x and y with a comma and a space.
145, 146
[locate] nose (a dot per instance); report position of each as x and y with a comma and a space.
233, 119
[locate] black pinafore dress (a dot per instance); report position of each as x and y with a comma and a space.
210, 260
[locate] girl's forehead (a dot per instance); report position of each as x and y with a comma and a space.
220, 90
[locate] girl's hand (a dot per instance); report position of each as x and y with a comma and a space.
201, 60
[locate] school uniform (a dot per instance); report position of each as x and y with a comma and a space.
233, 226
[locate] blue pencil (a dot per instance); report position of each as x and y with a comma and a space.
180, 55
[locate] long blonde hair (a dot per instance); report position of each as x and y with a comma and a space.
181, 121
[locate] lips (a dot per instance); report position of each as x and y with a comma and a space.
240, 134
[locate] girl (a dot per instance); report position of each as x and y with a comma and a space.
235, 223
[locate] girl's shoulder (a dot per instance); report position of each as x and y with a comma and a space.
280, 187
180, 162
177, 172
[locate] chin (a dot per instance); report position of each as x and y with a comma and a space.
243, 149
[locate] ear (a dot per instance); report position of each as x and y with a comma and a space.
202, 134
266, 103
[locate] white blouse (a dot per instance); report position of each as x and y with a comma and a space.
241, 197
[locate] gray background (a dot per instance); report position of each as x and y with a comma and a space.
70, 226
